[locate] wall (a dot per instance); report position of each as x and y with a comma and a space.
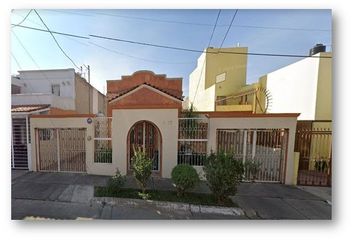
84, 96
294, 88
258, 122
43, 98
40, 81
204, 100
324, 89
234, 65
167, 122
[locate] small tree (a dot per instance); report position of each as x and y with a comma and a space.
141, 166
185, 177
223, 173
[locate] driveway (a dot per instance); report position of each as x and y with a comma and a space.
70, 196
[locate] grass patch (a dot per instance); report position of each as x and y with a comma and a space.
168, 196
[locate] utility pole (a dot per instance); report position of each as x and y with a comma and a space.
90, 88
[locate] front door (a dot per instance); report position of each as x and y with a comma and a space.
145, 135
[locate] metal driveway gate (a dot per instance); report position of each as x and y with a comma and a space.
260, 149
61, 149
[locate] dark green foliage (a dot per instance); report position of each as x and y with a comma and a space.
223, 173
185, 177
116, 182
141, 166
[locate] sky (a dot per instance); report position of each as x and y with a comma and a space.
262, 31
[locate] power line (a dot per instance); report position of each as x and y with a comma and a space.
24, 19
139, 58
54, 32
192, 23
228, 29
18, 64
204, 62
24, 48
56, 40
201, 51
175, 48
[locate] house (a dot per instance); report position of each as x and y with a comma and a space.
55, 91
218, 83
145, 111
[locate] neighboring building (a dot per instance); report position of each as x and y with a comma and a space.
303, 87
62, 89
218, 83
57, 91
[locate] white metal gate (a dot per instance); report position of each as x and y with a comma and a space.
61, 149
19, 144
263, 151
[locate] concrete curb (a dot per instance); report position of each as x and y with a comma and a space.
169, 206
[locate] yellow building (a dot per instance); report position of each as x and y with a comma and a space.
218, 83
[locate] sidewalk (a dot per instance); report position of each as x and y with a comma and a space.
70, 196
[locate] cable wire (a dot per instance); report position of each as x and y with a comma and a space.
190, 23
228, 29
204, 62
24, 19
56, 40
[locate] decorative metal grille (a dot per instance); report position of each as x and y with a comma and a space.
103, 140
192, 141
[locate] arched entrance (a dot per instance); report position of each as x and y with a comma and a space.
146, 135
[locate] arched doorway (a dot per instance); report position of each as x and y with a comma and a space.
146, 135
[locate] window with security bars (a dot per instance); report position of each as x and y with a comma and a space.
103, 140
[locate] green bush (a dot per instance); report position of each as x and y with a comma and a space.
185, 177
116, 182
223, 173
141, 165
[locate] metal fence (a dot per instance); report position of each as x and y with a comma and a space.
61, 149
20, 140
263, 151
103, 140
192, 141
314, 143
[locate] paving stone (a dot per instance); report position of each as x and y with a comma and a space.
82, 193
312, 209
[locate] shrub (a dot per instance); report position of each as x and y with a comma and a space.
116, 182
185, 177
141, 166
223, 173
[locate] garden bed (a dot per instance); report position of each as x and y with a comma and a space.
168, 196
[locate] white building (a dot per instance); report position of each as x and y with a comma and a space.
303, 87
56, 91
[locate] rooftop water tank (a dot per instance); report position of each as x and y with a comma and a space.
317, 48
